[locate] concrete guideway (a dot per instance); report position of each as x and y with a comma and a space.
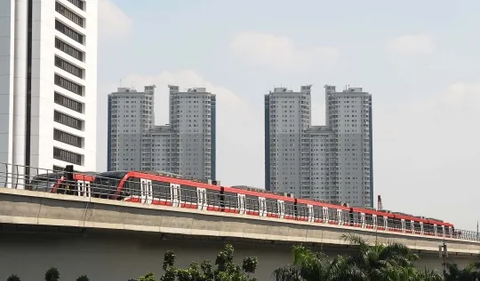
34, 208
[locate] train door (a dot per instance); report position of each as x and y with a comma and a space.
362, 220
402, 221
84, 189
339, 217
241, 203
450, 232
281, 208
374, 220
201, 198
325, 214
443, 231
175, 194
435, 229
421, 228
385, 223
146, 191
311, 216
412, 226
262, 209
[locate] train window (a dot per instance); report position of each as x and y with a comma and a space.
317, 212
428, 228
417, 226
251, 203
272, 206
289, 209
213, 198
369, 219
188, 194
396, 224
302, 211
380, 221
332, 214
161, 190
132, 187
230, 200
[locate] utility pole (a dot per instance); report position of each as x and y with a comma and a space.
443, 253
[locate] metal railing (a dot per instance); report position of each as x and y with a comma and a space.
163, 193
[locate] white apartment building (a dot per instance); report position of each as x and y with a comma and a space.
156, 149
331, 163
193, 133
48, 83
184, 147
287, 120
349, 114
130, 114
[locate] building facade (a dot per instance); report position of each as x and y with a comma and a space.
186, 146
48, 83
130, 114
193, 133
287, 121
332, 163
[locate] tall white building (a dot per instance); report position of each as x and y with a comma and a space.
186, 146
130, 114
332, 163
193, 138
48, 83
287, 121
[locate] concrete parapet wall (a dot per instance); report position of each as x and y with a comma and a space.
34, 208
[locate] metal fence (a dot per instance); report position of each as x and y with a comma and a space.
89, 184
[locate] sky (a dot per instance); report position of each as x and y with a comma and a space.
419, 60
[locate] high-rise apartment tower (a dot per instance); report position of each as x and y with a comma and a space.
333, 163
48, 83
130, 114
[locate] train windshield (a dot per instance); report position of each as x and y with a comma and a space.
45, 182
106, 183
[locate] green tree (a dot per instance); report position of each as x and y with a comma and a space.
226, 269
13, 278
83, 278
52, 274
379, 262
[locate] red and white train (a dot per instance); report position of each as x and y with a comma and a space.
169, 190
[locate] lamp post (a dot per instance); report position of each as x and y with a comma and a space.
443, 253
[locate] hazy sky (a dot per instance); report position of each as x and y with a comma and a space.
419, 59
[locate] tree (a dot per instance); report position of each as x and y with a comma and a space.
13, 278
83, 278
52, 274
379, 262
226, 269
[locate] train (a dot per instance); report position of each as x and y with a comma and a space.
172, 190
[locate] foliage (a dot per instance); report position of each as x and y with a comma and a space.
52, 274
226, 269
83, 278
13, 278
379, 262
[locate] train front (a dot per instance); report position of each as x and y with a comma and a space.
106, 184
45, 182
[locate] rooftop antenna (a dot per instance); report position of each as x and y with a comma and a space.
379, 203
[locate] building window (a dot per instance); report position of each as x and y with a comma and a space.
64, 11
58, 168
68, 67
68, 120
67, 156
69, 50
68, 85
69, 32
78, 3
67, 138
68, 103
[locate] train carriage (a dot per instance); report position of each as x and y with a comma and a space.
166, 189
